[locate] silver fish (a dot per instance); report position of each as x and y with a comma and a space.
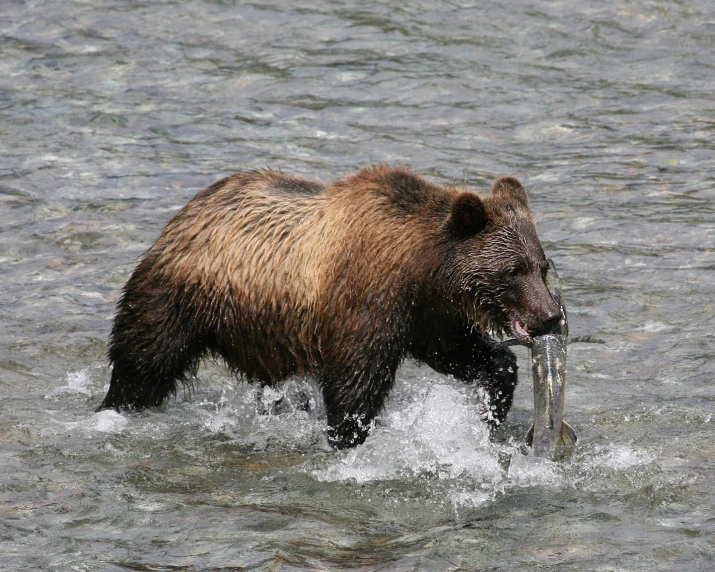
550, 435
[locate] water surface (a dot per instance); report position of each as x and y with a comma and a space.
114, 114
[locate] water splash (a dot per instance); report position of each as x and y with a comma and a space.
77, 382
618, 457
290, 415
434, 435
108, 421
438, 435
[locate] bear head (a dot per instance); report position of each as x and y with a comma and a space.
496, 263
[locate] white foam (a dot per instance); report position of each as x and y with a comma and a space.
108, 421
148, 505
656, 327
440, 435
582, 223
431, 433
619, 457
533, 471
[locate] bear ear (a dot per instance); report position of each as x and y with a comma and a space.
510, 188
467, 214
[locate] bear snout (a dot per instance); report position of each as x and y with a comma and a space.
545, 317
532, 311
552, 318
525, 327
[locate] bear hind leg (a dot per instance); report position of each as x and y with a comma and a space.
152, 346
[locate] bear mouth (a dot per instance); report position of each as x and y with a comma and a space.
521, 331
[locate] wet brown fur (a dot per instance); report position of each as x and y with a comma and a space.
281, 276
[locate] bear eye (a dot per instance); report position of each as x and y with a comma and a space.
544, 270
514, 271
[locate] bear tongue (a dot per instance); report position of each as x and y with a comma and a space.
519, 330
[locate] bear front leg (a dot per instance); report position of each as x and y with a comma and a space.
347, 430
472, 357
353, 399
498, 378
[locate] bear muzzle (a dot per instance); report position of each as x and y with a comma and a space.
535, 321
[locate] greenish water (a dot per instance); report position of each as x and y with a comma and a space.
114, 114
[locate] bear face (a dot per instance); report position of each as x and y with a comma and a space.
498, 262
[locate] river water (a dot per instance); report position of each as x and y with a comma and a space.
115, 113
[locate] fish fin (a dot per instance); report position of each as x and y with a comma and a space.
586, 340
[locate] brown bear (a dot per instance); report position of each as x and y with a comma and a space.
281, 276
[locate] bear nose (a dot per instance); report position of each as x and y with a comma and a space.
552, 318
